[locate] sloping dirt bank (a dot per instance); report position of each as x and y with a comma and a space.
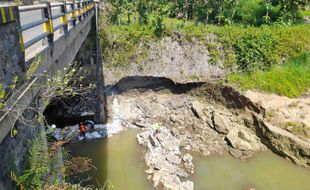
285, 127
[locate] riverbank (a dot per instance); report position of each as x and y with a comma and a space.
194, 120
179, 139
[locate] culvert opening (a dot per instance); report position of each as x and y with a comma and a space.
69, 111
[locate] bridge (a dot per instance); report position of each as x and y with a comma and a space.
36, 42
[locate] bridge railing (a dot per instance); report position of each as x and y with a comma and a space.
69, 14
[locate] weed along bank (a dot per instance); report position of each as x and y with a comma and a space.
159, 94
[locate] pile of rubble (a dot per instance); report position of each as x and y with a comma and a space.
165, 161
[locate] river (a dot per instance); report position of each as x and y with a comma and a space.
119, 161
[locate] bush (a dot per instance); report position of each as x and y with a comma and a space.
250, 12
258, 48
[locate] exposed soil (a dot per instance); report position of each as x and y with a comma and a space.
173, 57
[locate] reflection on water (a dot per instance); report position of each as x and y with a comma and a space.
265, 171
117, 159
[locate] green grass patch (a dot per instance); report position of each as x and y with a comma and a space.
291, 79
305, 13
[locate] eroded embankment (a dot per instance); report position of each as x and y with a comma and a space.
177, 119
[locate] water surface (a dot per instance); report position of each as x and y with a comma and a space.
266, 171
120, 160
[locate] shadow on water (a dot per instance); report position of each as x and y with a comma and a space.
97, 151
118, 160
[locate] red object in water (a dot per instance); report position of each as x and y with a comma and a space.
82, 128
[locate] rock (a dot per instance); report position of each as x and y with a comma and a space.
187, 158
142, 124
187, 147
153, 140
173, 159
168, 141
170, 181
176, 119
235, 152
96, 135
149, 177
186, 185
173, 118
243, 139
171, 168
163, 159
57, 134
175, 132
156, 178
290, 145
149, 171
221, 123
143, 137
197, 109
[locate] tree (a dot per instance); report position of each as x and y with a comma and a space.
289, 9
142, 6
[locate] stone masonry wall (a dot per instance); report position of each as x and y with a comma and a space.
11, 56
13, 149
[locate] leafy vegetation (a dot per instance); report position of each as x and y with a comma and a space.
305, 13
247, 48
247, 12
291, 79
248, 36
43, 169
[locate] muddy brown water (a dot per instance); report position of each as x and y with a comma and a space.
119, 160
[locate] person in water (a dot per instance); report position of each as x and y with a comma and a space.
82, 129
90, 125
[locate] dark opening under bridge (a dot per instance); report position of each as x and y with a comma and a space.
54, 32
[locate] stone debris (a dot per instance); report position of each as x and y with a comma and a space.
221, 123
164, 159
243, 139
197, 109
188, 162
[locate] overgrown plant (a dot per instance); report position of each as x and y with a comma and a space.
67, 83
43, 167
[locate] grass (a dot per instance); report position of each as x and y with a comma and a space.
291, 79
305, 13
298, 128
